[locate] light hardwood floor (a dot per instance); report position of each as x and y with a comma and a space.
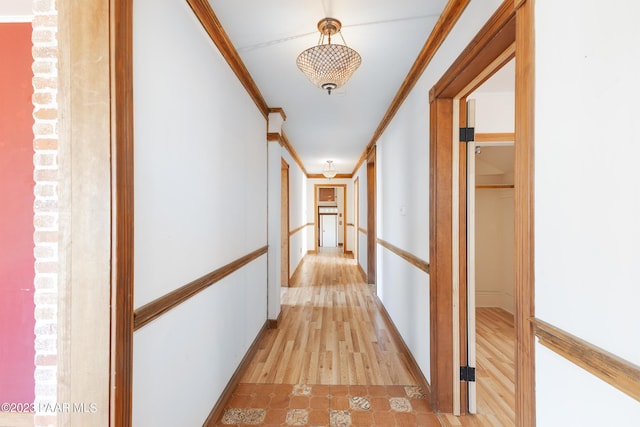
495, 372
332, 333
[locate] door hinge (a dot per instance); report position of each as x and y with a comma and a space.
467, 134
468, 374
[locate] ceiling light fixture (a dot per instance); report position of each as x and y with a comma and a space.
329, 66
329, 170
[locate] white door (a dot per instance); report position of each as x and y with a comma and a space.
471, 257
471, 268
328, 231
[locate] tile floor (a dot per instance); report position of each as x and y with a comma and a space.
328, 406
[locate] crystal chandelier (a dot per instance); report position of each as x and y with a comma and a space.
329, 66
329, 170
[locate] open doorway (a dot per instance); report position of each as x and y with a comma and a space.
490, 247
330, 213
506, 35
284, 224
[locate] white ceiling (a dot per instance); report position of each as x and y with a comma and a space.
270, 34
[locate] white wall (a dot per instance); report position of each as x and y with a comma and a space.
587, 200
200, 203
494, 248
495, 113
403, 192
361, 175
298, 243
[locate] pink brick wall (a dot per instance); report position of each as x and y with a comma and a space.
45, 84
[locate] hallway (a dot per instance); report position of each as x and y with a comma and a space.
332, 361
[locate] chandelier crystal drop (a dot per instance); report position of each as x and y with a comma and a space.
329, 66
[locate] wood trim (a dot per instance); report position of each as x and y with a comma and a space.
285, 218
362, 230
281, 138
495, 186
491, 42
411, 364
461, 332
315, 213
274, 137
287, 144
350, 224
441, 30
371, 217
212, 26
302, 227
218, 408
524, 216
273, 323
495, 137
407, 256
356, 219
440, 249
338, 176
122, 169
159, 306
618, 372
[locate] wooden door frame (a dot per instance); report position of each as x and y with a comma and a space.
316, 219
88, 133
122, 222
511, 23
356, 219
284, 182
372, 241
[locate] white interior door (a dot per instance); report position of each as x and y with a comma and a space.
329, 231
471, 258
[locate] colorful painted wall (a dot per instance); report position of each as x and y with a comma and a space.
16, 215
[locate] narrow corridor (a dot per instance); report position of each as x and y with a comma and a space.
332, 361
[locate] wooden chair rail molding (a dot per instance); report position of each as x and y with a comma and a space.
362, 230
622, 374
302, 227
159, 306
410, 258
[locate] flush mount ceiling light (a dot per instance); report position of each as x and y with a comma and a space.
329, 170
329, 66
